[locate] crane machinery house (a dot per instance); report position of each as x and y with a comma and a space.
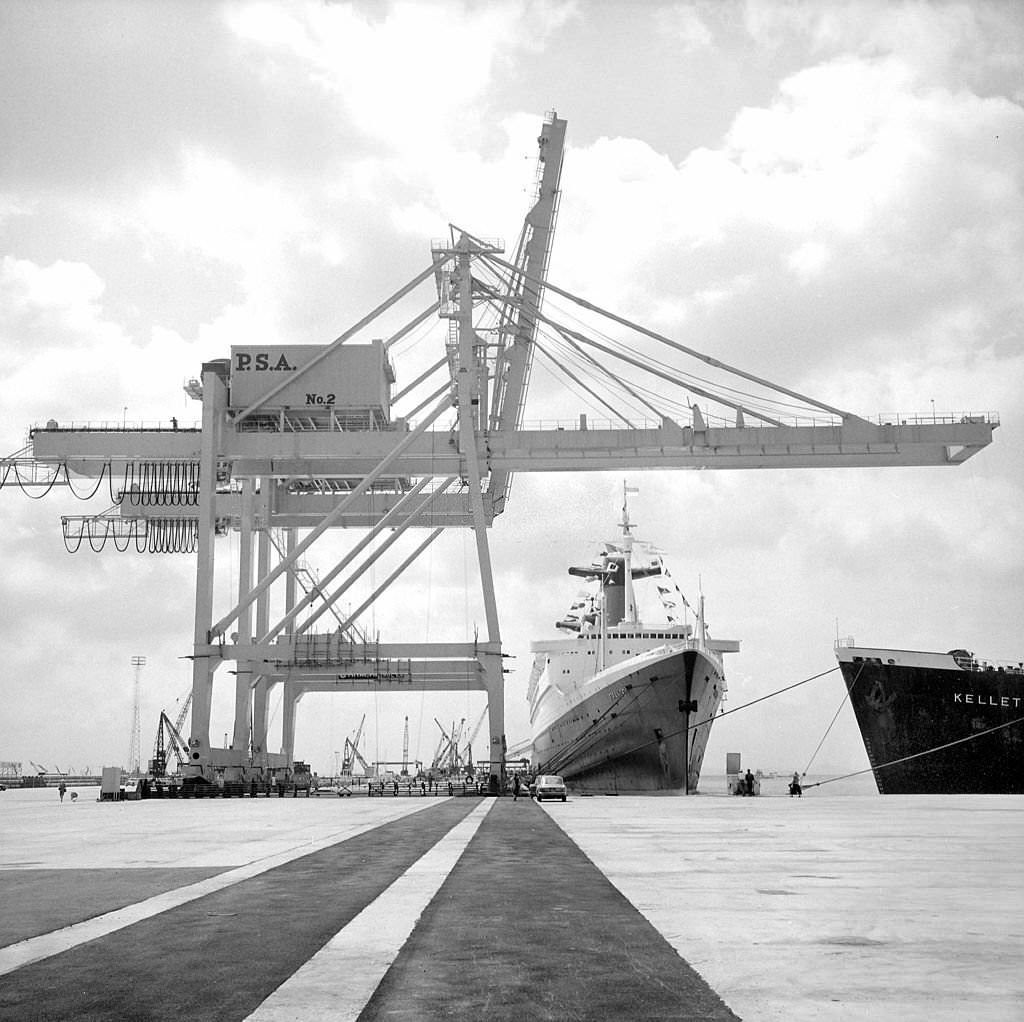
353, 380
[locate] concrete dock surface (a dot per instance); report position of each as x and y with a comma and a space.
646, 907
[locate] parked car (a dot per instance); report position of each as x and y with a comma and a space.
550, 786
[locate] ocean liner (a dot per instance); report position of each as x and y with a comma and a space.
621, 705
937, 722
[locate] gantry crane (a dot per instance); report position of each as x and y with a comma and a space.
352, 755
443, 744
447, 757
309, 438
168, 735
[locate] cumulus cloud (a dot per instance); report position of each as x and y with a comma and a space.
685, 24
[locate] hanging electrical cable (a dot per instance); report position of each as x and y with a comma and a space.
160, 484
68, 538
153, 535
49, 484
92, 493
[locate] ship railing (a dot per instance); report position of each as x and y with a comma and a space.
967, 663
585, 422
321, 418
936, 419
115, 426
997, 666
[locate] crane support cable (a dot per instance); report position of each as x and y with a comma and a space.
917, 755
607, 372
707, 359
632, 360
654, 370
737, 392
575, 379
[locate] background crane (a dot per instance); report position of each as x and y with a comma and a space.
352, 755
168, 735
447, 759
472, 738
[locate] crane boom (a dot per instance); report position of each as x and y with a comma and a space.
183, 712
472, 737
512, 368
443, 745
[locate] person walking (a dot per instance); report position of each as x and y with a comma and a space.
515, 788
62, 788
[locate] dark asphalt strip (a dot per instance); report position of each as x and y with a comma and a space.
216, 959
526, 927
39, 901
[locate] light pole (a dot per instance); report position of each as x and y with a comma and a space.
135, 746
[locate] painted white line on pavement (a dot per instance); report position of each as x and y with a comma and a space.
34, 949
338, 981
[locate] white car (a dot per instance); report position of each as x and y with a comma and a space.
549, 786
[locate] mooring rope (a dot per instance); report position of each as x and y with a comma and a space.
916, 755
835, 717
724, 713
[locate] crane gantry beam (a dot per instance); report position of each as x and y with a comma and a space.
571, 447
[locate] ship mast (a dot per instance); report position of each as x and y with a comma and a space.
629, 607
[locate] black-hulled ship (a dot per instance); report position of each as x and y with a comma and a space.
937, 722
624, 705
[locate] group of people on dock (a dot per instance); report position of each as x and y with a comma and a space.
748, 784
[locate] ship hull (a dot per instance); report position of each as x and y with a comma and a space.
913, 715
632, 732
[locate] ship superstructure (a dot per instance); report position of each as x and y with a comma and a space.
621, 704
937, 722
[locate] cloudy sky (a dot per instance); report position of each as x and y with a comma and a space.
831, 196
